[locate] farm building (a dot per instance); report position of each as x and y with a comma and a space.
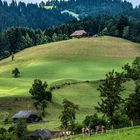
40, 134
28, 116
79, 34
43, 134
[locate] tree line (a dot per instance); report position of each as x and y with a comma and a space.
93, 7
13, 40
20, 14
16, 39
29, 15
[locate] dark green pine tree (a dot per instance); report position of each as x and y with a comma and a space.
110, 93
133, 104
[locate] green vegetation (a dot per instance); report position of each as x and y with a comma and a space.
17, 39
15, 72
76, 60
68, 115
133, 103
121, 134
110, 94
21, 14
40, 95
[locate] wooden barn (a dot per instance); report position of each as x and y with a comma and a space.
26, 115
42, 134
79, 34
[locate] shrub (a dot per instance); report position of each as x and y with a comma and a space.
120, 120
78, 128
94, 120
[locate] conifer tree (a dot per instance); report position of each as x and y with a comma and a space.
133, 104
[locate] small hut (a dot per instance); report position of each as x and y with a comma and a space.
44, 134
26, 115
79, 34
41, 134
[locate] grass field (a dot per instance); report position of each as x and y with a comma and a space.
71, 60
121, 134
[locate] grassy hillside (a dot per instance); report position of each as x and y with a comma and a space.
72, 60
79, 59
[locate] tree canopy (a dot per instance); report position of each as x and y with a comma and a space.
41, 95
110, 93
68, 115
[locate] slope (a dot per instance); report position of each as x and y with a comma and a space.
78, 59
83, 60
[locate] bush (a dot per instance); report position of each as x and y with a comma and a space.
94, 120
6, 121
78, 128
120, 120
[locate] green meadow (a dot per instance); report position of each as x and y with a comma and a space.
121, 134
75, 60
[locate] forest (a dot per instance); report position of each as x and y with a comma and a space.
44, 15
25, 25
29, 15
94, 8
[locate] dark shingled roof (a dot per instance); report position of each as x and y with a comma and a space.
79, 33
42, 133
23, 114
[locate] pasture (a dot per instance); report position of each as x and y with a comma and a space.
120, 134
79, 60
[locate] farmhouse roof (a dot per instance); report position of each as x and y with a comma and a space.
24, 114
42, 133
79, 33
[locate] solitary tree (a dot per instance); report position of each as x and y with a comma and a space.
12, 56
16, 72
68, 115
110, 93
41, 95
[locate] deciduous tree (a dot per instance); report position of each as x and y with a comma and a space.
41, 95
16, 72
68, 115
110, 93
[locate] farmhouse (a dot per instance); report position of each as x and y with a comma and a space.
79, 34
40, 134
43, 134
28, 116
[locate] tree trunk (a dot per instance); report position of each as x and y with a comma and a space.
112, 127
132, 123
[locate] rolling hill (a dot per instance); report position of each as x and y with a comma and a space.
82, 60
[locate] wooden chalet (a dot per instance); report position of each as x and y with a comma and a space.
79, 34
26, 115
43, 134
